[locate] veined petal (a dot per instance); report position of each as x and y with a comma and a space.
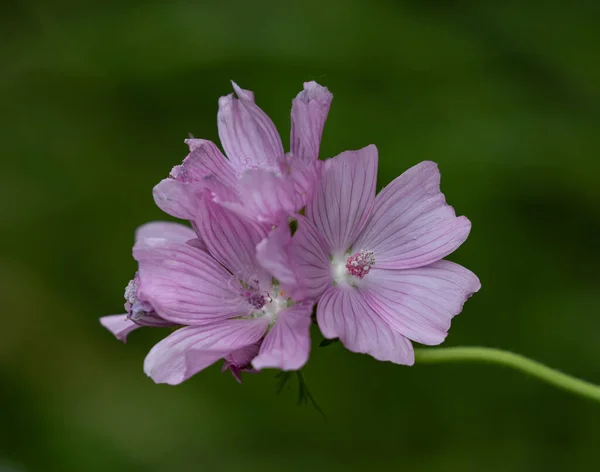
119, 325
301, 264
173, 232
287, 345
309, 113
204, 159
342, 203
189, 350
343, 313
247, 134
204, 167
309, 256
411, 224
232, 239
178, 199
266, 195
420, 302
304, 177
186, 285
273, 254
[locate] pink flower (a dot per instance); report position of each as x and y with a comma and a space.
229, 305
258, 180
375, 262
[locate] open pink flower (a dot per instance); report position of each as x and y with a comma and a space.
258, 180
229, 305
375, 262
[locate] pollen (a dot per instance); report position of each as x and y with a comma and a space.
360, 263
257, 300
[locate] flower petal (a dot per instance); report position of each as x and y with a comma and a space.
287, 345
204, 167
189, 350
420, 302
411, 224
309, 113
273, 254
178, 199
310, 259
119, 325
247, 134
173, 232
267, 196
184, 284
300, 264
342, 203
343, 313
231, 239
204, 160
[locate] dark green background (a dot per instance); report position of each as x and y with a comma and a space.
96, 99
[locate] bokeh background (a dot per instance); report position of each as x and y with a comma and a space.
96, 99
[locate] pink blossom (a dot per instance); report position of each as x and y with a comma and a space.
228, 304
257, 179
375, 262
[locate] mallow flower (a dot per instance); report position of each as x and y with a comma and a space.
257, 179
375, 262
240, 285
228, 305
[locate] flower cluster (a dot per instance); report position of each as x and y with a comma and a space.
274, 237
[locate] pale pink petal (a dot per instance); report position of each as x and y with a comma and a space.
119, 325
411, 224
309, 256
240, 361
173, 232
232, 240
342, 203
267, 195
247, 134
420, 302
186, 285
204, 167
309, 112
204, 160
273, 254
304, 177
343, 313
287, 345
178, 199
189, 350
300, 264
221, 192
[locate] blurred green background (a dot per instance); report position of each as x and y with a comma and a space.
96, 99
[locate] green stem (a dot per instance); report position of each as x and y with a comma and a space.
508, 359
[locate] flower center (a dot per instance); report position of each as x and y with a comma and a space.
265, 304
360, 263
352, 267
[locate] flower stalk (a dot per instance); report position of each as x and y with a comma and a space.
486, 355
